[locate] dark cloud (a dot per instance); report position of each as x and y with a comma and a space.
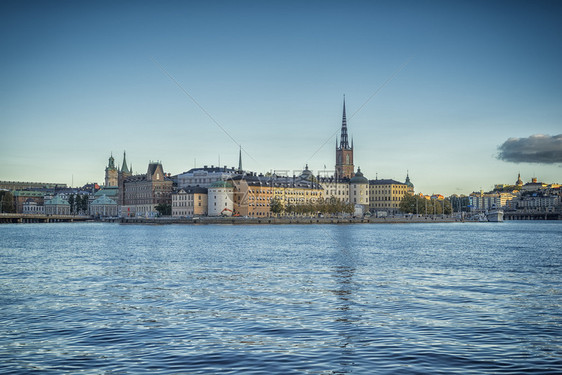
538, 148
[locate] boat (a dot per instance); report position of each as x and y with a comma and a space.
495, 215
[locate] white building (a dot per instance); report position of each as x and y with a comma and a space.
31, 207
103, 206
359, 190
57, 206
204, 177
220, 199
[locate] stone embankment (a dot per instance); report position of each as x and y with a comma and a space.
285, 220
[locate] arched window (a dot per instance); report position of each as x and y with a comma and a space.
347, 159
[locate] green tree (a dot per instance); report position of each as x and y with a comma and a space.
72, 202
164, 209
84, 204
7, 202
275, 206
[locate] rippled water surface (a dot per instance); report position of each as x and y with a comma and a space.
320, 299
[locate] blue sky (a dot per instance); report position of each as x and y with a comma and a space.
80, 80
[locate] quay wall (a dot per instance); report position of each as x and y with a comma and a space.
283, 220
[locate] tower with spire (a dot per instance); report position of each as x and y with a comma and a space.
240, 170
111, 173
344, 152
123, 174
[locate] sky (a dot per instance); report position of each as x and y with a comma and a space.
461, 95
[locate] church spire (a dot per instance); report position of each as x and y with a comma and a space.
240, 160
124, 168
344, 143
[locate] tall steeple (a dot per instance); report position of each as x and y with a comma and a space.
344, 144
124, 168
240, 160
344, 153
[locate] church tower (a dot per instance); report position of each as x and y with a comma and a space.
111, 173
344, 152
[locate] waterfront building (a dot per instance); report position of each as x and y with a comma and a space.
359, 190
57, 206
335, 188
30, 206
386, 195
253, 194
220, 199
189, 201
344, 152
23, 196
484, 201
205, 176
142, 193
103, 206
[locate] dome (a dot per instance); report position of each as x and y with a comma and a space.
359, 178
306, 174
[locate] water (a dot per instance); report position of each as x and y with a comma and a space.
314, 299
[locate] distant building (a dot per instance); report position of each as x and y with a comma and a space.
335, 188
220, 199
142, 193
359, 190
23, 196
16, 185
253, 194
386, 195
57, 206
103, 206
31, 207
205, 176
190, 201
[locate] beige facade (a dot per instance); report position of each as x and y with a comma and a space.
142, 193
386, 195
253, 194
189, 202
335, 188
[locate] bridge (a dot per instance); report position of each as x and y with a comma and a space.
40, 218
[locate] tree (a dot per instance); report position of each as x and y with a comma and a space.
164, 209
72, 203
275, 206
84, 204
7, 202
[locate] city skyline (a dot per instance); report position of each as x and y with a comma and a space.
432, 88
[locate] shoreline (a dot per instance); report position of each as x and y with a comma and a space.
284, 220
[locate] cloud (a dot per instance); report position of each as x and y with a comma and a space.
538, 148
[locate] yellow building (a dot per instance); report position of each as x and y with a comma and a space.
253, 194
386, 195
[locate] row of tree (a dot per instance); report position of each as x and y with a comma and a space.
78, 203
414, 204
331, 206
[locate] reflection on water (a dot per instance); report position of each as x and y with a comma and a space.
437, 298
